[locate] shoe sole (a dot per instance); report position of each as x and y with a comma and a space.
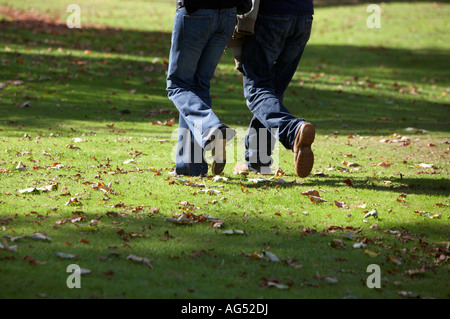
303, 154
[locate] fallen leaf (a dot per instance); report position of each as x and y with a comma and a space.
373, 213
180, 220
311, 192
232, 232
350, 164
74, 201
316, 199
371, 253
269, 256
348, 182
218, 178
340, 204
140, 260
39, 236
65, 256
385, 164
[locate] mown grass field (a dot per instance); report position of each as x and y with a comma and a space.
86, 110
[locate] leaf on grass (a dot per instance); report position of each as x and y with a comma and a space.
31, 190
293, 263
373, 213
128, 161
350, 164
276, 285
330, 280
7, 247
180, 220
316, 199
279, 173
337, 243
32, 261
395, 260
311, 192
209, 191
104, 188
340, 204
269, 256
25, 104
273, 283
234, 232
168, 122
241, 169
218, 178
21, 167
217, 224
371, 253
429, 215
258, 180
385, 164
84, 271
65, 256
424, 165
320, 174
39, 236
348, 182
407, 294
72, 147
36, 190
140, 260
414, 272
74, 201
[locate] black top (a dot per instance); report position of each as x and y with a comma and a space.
281, 7
242, 6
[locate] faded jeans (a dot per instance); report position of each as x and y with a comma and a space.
270, 58
198, 42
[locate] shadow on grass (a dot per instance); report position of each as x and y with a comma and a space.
107, 74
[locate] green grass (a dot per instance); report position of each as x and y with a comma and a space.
358, 86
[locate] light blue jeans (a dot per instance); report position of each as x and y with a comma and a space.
198, 42
269, 59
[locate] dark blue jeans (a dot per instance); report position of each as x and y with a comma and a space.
270, 58
198, 42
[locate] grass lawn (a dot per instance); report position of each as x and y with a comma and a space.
85, 110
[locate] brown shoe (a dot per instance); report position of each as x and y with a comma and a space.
303, 155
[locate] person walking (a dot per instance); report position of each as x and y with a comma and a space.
200, 33
270, 57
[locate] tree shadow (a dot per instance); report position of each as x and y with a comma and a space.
108, 74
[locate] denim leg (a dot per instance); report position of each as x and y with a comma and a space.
198, 42
190, 156
270, 58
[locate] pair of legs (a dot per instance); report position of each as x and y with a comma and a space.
269, 60
198, 42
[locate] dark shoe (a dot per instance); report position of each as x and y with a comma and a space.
218, 150
303, 155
